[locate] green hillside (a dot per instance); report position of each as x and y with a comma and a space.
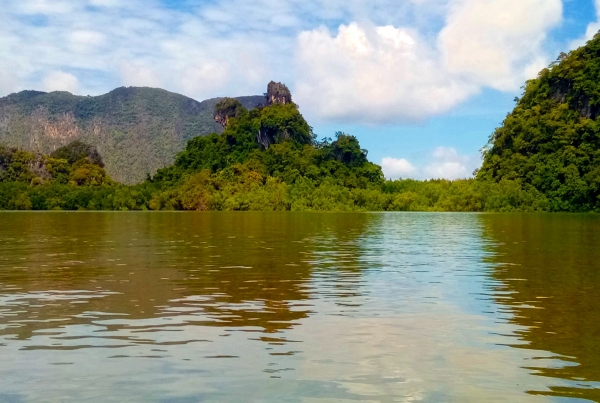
136, 130
544, 157
267, 158
550, 142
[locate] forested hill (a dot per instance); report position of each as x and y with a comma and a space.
268, 158
136, 130
551, 140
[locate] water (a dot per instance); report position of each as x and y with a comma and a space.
212, 307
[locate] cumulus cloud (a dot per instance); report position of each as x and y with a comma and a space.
448, 164
397, 168
200, 49
443, 163
378, 74
374, 75
61, 81
496, 42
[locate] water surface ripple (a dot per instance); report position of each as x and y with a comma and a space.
306, 307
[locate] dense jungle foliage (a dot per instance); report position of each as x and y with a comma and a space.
551, 141
233, 171
545, 157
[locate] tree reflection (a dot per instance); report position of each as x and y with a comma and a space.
240, 271
548, 268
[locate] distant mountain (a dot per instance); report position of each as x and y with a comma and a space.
136, 130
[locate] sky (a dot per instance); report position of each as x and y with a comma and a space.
421, 83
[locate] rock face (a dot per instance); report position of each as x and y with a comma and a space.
264, 138
222, 119
226, 109
565, 90
562, 91
278, 93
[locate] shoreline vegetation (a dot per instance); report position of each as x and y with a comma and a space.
545, 157
333, 175
232, 171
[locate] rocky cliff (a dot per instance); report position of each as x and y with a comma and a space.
278, 93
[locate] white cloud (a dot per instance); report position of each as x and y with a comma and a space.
380, 74
207, 77
374, 75
495, 42
46, 6
448, 164
37, 38
443, 163
139, 75
387, 62
7, 82
61, 81
104, 3
86, 38
397, 168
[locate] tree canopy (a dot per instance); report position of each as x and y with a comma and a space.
550, 142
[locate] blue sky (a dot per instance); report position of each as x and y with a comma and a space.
421, 83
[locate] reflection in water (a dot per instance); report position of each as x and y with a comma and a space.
143, 284
219, 270
290, 307
548, 272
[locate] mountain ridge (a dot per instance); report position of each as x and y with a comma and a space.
137, 130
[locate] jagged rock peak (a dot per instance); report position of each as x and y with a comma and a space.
278, 93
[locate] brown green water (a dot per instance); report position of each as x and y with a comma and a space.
186, 307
